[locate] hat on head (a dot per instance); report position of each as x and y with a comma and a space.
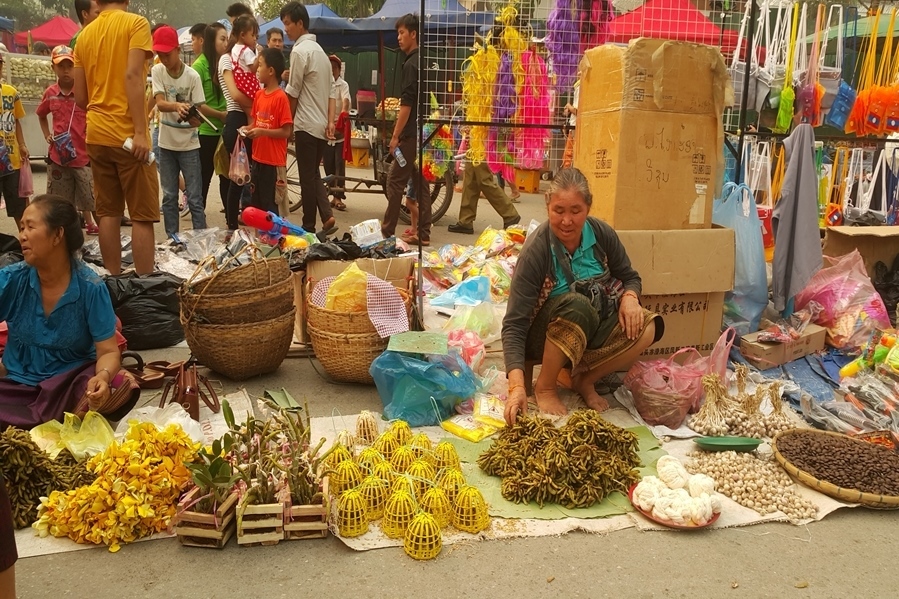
165, 39
61, 53
3, 51
335, 60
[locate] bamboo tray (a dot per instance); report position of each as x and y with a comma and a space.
871, 500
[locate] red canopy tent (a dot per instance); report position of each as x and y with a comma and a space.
56, 31
671, 20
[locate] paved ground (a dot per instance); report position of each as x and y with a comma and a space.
850, 554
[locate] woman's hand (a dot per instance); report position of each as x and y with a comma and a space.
516, 403
630, 316
97, 391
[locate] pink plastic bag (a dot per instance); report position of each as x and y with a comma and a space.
240, 164
665, 391
852, 307
26, 180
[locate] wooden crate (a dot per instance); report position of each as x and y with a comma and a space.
196, 529
309, 521
527, 181
261, 524
360, 157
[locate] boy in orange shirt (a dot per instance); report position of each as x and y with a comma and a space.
270, 127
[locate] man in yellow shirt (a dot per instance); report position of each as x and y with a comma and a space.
110, 74
12, 146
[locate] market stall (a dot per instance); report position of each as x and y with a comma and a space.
31, 76
57, 31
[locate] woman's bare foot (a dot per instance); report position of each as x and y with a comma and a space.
548, 401
587, 391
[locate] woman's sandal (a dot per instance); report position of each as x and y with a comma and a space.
338, 204
165, 367
145, 378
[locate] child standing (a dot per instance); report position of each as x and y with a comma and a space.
68, 173
243, 55
176, 88
270, 127
12, 147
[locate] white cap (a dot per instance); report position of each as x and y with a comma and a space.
3, 49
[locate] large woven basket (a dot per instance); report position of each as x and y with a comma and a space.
247, 277
240, 351
241, 307
350, 323
346, 357
882, 502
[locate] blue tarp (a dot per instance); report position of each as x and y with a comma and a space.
7, 24
438, 14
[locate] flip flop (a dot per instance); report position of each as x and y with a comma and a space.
145, 379
338, 204
165, 367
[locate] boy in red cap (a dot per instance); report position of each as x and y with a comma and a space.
68, 172
176, 89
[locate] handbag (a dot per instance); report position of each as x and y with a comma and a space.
831, 77
879, 101
784, 119
26, 180
738, 68
773, 74
855, 123
186, 391
811, 92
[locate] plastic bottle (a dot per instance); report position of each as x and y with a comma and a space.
129, 143
400, 159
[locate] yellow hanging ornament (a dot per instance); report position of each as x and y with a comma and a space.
400, 428
384, 471
339, 454
423, 539
374, 491
366, 428
470, 511
346, 438
352, 519
420, 445
386, 444
345, 477
445, 456
368, 458
451, 480
422, 475
402, 458
436, 503
402, 483
398, 513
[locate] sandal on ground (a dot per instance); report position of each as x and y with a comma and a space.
413, 240
338, 204
145, 379
516, 198
92, 229
165, 367
329, 226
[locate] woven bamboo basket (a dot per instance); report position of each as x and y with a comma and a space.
241, 307
247, 277
350, 323
346, 357
240, 351
882, 502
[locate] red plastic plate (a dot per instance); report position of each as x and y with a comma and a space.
668, 523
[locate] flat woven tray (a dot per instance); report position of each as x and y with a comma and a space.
881, 502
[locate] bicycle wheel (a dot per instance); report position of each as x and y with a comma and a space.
441, 198
294, 196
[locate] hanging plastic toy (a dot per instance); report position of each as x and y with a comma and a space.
470, 511
345, 477
374, 492
436, 503
452, 481
401, 430
446, 456
402, 459
386, 444
368, 458
422, 475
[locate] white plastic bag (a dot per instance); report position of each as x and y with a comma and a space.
162, 417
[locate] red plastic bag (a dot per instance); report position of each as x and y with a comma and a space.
26, 180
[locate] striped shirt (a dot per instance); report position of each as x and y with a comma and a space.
225, 64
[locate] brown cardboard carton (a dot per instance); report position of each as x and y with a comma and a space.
395, 270
769, 355
299, 300
650, 133
875, 244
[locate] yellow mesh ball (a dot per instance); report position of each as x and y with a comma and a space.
436, 503
423, 475
368, 458
400, 428
352, 518
402, 459
402, 483
470, 510
386, 444
345, 477
398, 513
451, 480
446, 456
338, 454
423, 539
420, 444
374, 490
367, 428
384, 471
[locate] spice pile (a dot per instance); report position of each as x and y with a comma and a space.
576, 465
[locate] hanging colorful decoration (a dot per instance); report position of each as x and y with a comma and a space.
477, 96
533, 109
501, 141
438, 153
573, 27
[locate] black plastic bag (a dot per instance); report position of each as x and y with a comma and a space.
886, 282
149, 309
8, 243
7, 258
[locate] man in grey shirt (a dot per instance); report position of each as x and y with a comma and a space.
309, 91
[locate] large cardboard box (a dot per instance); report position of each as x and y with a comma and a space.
650, 133
685, 276
769, 355
875, 244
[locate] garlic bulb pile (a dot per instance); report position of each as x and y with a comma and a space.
690, 503
711, 420
777, 421
722, 415
759, 484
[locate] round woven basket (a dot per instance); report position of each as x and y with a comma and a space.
247, 277
347, 357
881, 502
350, 323
240, 351
255, 305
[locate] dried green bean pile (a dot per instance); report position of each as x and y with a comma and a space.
576, 465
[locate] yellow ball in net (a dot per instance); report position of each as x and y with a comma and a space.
386, 444
374, 490
368, 458
345, 477
451, 480
402, 458
436, 503
338, 454
470, 510
422, 475
352, 518
398, 513
446, 456
366, 428
423, 539
384, 471
400, 429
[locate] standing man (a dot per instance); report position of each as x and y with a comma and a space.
275, 39
405, 138
111, 60
335, 164
87, 11
309, 90
197, 34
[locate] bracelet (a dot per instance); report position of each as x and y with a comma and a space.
109, 374
630, 292
513, 387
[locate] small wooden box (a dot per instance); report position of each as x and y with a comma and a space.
196, 529
309, 521
527, 181
360, 157
261, 524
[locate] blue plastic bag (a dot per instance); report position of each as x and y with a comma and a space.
744, 305
406, 385
470, 292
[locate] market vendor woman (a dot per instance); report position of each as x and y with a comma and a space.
574, 302
62, 354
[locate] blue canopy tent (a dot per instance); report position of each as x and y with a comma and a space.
7, 24
438, 14
331, 30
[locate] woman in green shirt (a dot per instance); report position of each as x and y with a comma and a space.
215, 43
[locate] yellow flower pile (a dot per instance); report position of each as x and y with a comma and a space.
134, 495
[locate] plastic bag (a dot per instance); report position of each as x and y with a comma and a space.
470, 347
469, 292
422, 392
489, 410
347, 291
149, 309
239, 170
172, 413
466, 427
26, 180
480, 319
82, 438
852, 308
744, 305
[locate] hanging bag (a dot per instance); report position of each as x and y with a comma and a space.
773, 74
738, 68
879, 100
63, 144
787, 97
831, 77
841, 105
26, 180
855, 123
810, 94
239, 172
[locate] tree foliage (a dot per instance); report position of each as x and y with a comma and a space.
179, 13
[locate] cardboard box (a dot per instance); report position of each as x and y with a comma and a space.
650, 133
685, 276
300, 335
875, 244
769, 355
